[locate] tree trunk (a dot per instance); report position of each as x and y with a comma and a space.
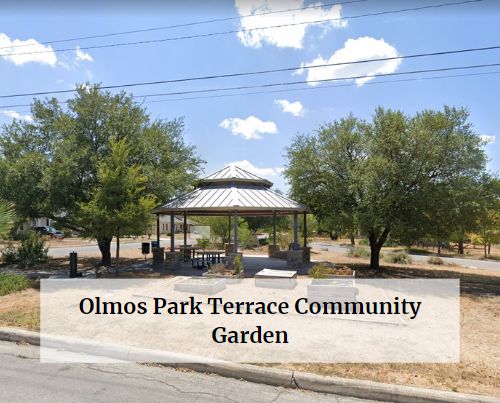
118, 245
485, 251
461, 247
374, 257
439, 247
376, 246
353, 242
104, 244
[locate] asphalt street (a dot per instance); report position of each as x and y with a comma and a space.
91, 250
24, 379
94, 250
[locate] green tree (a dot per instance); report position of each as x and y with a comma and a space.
56, 158
7, 218
118, 206
488, 222
380, 173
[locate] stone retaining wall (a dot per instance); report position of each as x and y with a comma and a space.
172, 260
158, 257
295, 259
272, 249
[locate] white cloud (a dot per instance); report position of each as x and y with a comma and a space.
295, 108
249, 128
17, 115
364, 48
15, 51
248, 166
82, 56
488, 139
283, 37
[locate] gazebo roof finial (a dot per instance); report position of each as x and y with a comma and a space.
233, 173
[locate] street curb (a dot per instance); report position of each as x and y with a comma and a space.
282, 377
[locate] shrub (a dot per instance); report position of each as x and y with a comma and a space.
237, 265
9, 255
398, 257
364, 242
284, 239
319, 271
30, 252
217, 268
203, 243
10, 283
435, 260
358, 251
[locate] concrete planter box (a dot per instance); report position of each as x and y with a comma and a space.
334, 288
200, 285
277, 279
233, 278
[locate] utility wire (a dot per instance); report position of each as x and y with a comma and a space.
324, 87
189, 24
320, 88
270, 85
259, 72
243, 87
112, 45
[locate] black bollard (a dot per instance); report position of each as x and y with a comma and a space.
73, 265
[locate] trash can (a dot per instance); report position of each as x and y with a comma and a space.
145, 248
154, 244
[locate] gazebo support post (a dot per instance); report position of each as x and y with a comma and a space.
305, 229
235, 230
229, 226
158, 230
185, 229
274, 228
295, 230
172, 233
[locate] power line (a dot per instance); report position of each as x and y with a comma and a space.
324, 87
323, 80
120, 44
189, 24
270, 85
259, 72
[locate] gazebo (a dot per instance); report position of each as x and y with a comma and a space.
232, 192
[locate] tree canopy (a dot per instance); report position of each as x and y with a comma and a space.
59, 165
387, 175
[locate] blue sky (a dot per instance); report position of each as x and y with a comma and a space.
254, 129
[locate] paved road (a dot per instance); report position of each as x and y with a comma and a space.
476, 264
24, 379
94, 250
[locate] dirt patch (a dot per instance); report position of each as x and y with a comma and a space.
21, 309
477, 372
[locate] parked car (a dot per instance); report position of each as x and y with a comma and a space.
49, 231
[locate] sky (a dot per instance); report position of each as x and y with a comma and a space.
252, 127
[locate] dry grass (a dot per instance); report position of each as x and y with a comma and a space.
21, 309
478, 371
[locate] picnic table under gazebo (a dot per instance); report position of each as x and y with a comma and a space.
232, 192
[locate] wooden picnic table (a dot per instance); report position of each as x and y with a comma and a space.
188, 251
209, 256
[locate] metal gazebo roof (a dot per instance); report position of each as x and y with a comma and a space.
231, 189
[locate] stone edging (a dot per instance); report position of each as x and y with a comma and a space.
285, 378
